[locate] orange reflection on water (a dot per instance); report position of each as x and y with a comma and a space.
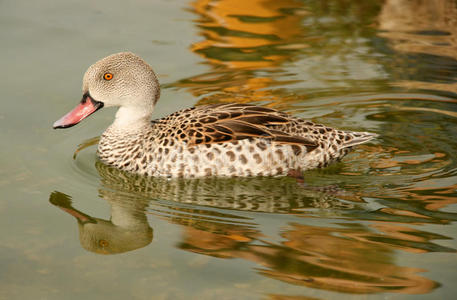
351, 260
433, 199
242, 27
350, 257
346, 260
241, 38
433, 190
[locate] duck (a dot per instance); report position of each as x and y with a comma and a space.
228, 139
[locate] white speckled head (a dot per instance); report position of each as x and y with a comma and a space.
122, 79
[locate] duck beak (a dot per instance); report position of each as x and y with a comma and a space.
63, 202
85, 108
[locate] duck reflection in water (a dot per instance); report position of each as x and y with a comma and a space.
127, 230
129, 195
349, 258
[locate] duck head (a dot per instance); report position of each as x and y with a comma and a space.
124, 80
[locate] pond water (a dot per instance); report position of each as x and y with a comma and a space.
379, 224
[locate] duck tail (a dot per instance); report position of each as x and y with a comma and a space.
356, 138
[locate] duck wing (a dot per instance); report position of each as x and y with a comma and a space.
222, 123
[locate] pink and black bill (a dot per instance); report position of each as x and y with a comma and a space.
85, 108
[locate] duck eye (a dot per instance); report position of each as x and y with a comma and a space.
108, 76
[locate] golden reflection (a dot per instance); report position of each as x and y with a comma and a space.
432, 199
418, 174
348, 260
246, 30
239, 39
399, 158
248, 45
346, 257
345, 260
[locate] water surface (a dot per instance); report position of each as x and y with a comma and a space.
379, 224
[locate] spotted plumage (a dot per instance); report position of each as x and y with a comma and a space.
208, 140
226, 140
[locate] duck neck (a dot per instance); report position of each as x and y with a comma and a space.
128, 217
132, 118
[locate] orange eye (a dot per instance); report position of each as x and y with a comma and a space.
108, 76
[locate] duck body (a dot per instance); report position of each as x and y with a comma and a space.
208, 140
226, 140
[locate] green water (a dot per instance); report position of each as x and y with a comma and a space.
380, 224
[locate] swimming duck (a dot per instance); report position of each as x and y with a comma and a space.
208, 140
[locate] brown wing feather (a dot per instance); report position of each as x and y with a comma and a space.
230, 122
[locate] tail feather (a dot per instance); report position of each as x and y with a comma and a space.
357, 138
